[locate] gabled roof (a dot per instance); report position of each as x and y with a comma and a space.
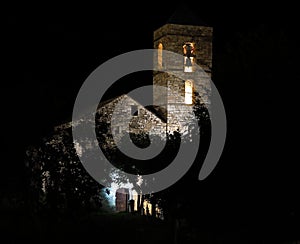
184, 15
158, 111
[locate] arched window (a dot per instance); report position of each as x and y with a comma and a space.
189, 56
188, 92
160, 56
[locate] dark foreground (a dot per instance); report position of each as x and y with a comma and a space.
16, 226
100, 227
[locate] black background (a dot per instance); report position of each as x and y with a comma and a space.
50, 50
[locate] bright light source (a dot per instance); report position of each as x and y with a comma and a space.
188, 89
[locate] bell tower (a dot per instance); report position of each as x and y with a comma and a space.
186, 35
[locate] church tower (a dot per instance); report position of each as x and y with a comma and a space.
186, 35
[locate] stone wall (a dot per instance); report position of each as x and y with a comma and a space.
173, 37
118, 112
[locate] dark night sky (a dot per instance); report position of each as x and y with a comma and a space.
49, 51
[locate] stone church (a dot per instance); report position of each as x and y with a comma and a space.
185, 35
189, 37
192, 39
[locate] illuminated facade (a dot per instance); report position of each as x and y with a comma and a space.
194, 43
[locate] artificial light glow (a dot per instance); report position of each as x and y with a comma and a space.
188, 69
159, 55
191, 48
147, 207
188, 98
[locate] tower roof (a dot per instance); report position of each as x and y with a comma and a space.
185, 16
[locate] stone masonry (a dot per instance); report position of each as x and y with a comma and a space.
172, 37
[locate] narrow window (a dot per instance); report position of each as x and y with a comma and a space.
189, 56
188, 89
160, 56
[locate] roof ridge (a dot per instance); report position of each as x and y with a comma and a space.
185, 15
